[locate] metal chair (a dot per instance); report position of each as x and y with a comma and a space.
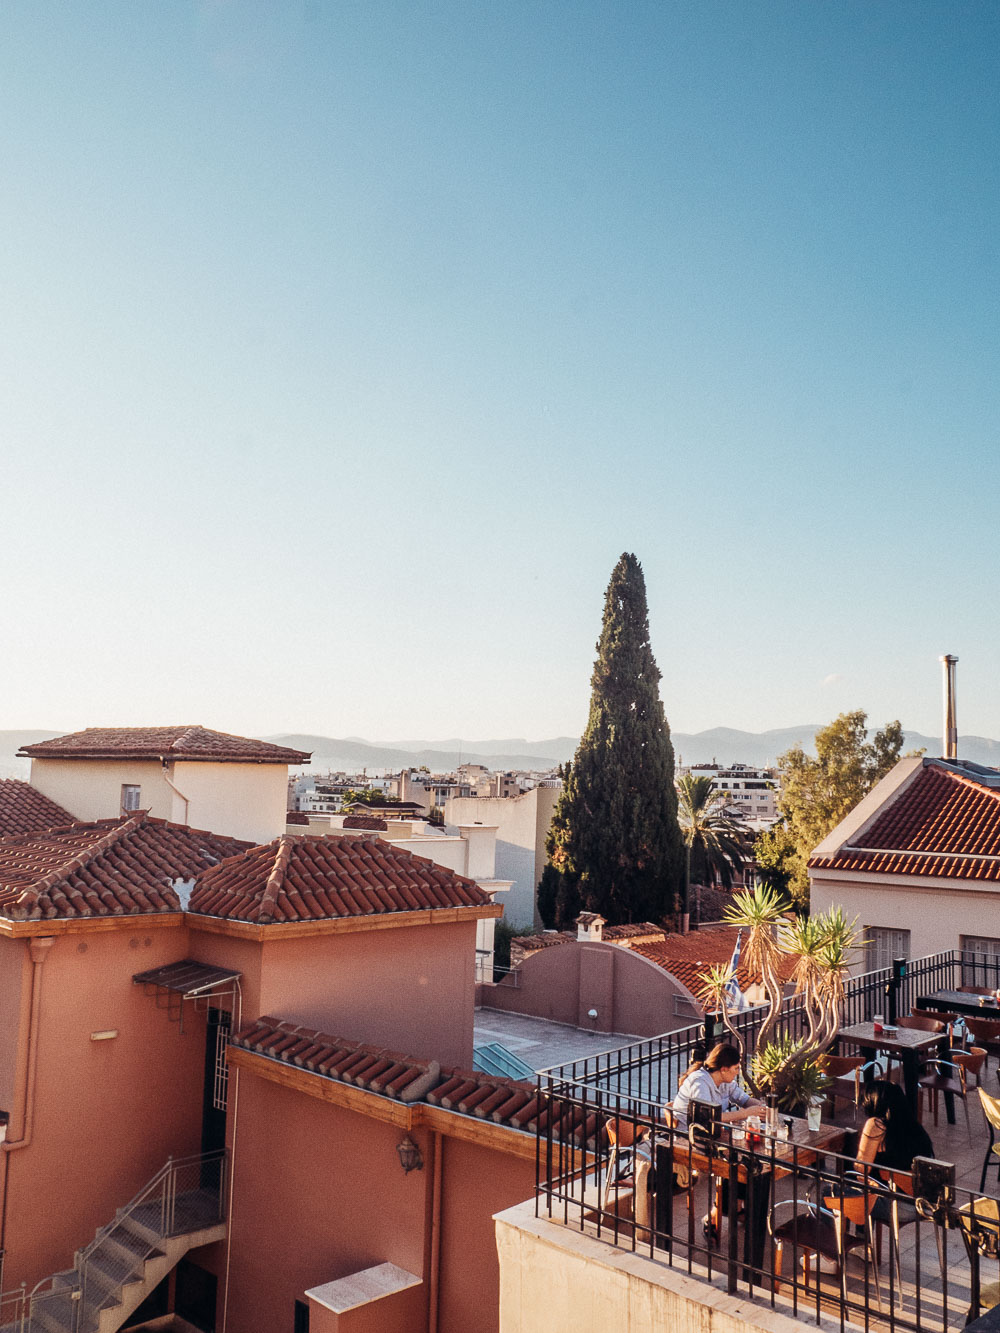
846, 1074
622, 1171
815, 1230
947, 1076
985, 1032
922, 1022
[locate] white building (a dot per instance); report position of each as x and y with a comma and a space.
752, 793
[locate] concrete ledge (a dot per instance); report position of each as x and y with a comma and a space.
554, 1279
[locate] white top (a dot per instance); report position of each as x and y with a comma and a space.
702, 1087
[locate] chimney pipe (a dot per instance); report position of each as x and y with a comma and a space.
949, 662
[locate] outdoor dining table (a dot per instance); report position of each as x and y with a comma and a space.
756, 1167
961, 1002
908, 1045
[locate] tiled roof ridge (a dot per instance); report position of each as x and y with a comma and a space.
183, 740
512, 1103
916, 851
59, 874
284, 847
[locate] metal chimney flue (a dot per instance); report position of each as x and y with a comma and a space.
950, 738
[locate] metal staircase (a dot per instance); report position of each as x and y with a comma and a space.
492, 1058
183, 1206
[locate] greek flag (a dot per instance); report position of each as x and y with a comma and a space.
734, 996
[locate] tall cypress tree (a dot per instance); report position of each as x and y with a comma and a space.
614, 845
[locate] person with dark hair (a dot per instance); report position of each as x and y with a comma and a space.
714, 1080
890, 1139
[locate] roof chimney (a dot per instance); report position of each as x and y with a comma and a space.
949, 662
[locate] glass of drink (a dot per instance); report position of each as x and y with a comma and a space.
814, 1114
877, 1022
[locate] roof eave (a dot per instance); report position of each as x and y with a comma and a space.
342, 925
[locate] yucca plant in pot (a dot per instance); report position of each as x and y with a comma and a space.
821, 947
780, 1068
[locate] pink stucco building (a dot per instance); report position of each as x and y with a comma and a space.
294, 1019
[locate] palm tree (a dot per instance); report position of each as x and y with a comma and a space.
708, 825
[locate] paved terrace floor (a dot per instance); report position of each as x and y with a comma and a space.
540, 1043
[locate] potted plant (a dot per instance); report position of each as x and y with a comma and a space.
821, 947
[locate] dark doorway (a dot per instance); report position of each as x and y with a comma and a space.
301, 1317
195, 1295
216, 1088
155, 1304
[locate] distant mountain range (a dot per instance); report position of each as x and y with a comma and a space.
723, 745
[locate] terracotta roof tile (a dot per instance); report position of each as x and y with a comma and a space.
370, 822
23, 809
111, 867
686, 956
314, 879
944, 824
181, 742
296, 817
502, 1101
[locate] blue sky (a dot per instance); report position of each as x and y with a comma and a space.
347, 345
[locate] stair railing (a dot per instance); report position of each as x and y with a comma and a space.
120, 1249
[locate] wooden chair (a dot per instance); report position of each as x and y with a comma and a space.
949, 1020
922, 1022
844, 1073
948, 1075
625, 1171
822, 1231
991, 1110
975, 990
985, 1032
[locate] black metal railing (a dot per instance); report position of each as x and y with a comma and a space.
626, 1089
786, 1211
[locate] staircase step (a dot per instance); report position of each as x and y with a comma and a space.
53, 1313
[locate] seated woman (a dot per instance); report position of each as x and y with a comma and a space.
890, 1138
714, 1080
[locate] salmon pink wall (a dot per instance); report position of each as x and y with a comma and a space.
562, 983
15, 993
317, 1194
243, 956
476, 1183
107, 1113
411, 988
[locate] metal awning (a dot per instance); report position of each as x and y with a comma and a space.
187, 980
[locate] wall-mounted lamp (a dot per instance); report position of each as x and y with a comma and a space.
410, 1156
108, 1034
4, 1122
591, 1013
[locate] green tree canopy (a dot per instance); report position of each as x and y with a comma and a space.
717, 841
614, 845
817, 793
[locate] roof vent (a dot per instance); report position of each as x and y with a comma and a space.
950, 738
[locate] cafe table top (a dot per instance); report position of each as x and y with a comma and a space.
904, 1039
800, 1149
960, 1002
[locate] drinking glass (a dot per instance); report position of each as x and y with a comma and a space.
814, 1115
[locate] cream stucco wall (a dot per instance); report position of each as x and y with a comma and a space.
522, 823
555, 1280
92, 788
935, 912
241, 800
